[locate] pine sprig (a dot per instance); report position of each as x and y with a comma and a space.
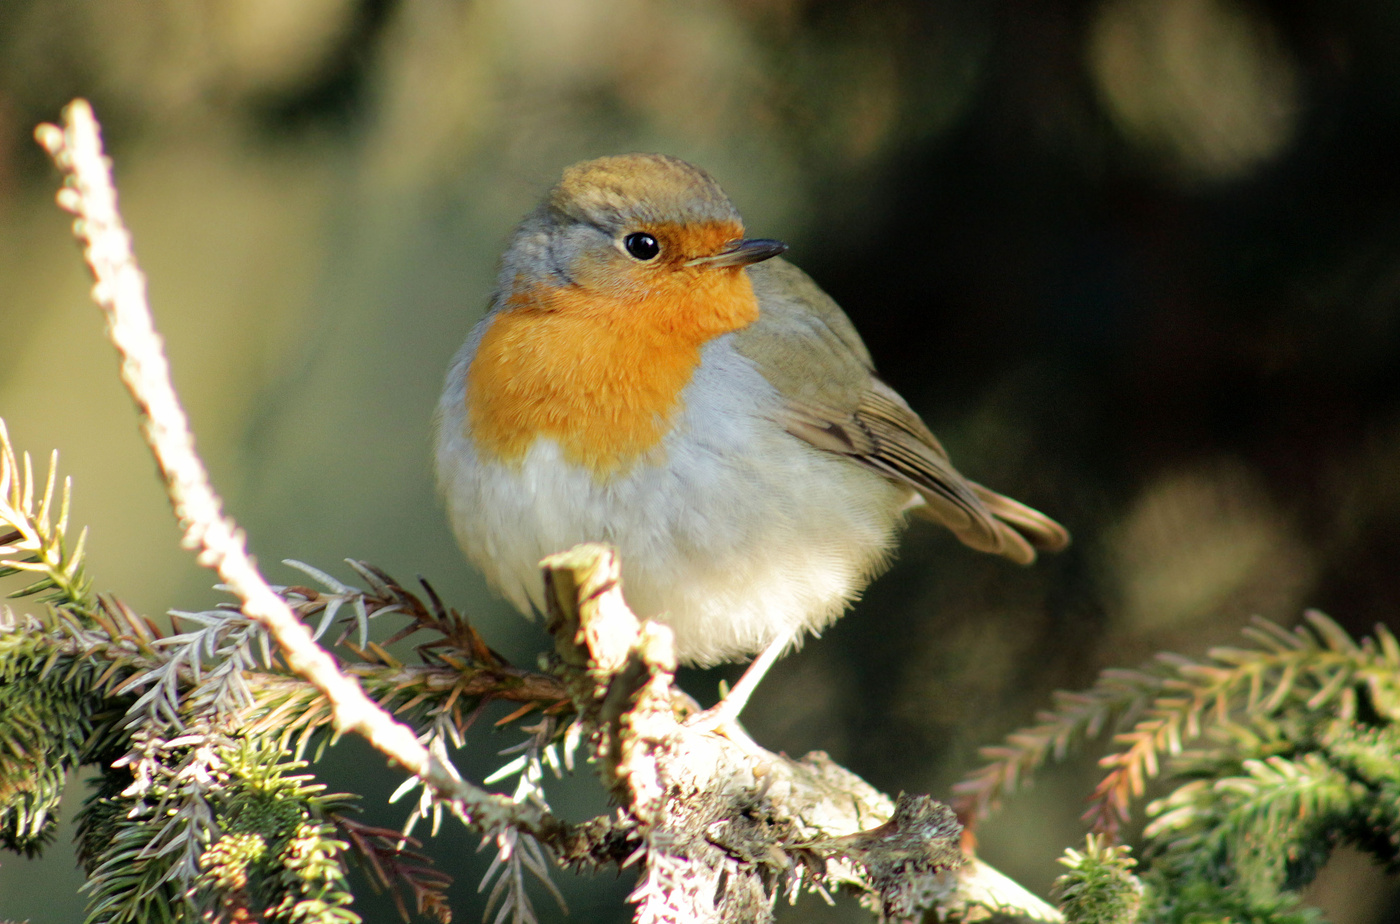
1099, 886
1241, 843
312, 881
1173, 700
458, 677
34, 532
169, 716
517, 852
162, 840
1077, 718
393, 863
1266, 811
247, 838
46, 730
186, 668
1265, 827
1279, 749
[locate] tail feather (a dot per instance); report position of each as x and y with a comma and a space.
1032, 528
1021, 532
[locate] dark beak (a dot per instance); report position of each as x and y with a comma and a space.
742, 253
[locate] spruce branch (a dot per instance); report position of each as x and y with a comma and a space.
1099, 887
393, 863
159, 833
46, 729
34, 532
1278, 750
256, 840
120, 291
1173, 700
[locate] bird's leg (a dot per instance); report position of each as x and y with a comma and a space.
724, 715
738, 696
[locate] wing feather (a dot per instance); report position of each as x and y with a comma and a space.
836, 404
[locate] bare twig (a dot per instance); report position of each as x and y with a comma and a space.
120, 291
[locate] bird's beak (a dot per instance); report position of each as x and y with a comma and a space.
744, 252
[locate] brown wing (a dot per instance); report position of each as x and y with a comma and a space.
884, 434
836, 404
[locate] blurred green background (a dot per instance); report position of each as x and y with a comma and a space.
1135, 261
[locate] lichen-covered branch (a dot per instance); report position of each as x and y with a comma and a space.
723, 826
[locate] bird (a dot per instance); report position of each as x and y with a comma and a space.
648, 377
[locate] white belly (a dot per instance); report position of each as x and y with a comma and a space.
735, 534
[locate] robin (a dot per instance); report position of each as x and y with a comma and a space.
647, 376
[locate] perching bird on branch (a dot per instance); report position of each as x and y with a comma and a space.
649, 377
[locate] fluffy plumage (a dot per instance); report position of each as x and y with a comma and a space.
716, 418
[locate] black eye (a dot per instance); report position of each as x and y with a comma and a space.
641, 245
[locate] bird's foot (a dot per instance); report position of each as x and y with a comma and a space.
722, 719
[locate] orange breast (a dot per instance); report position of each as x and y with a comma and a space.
600, 375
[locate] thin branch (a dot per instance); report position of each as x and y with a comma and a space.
120, 291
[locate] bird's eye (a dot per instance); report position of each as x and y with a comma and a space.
641, 245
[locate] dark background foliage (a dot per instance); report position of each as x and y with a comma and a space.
1134, 260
